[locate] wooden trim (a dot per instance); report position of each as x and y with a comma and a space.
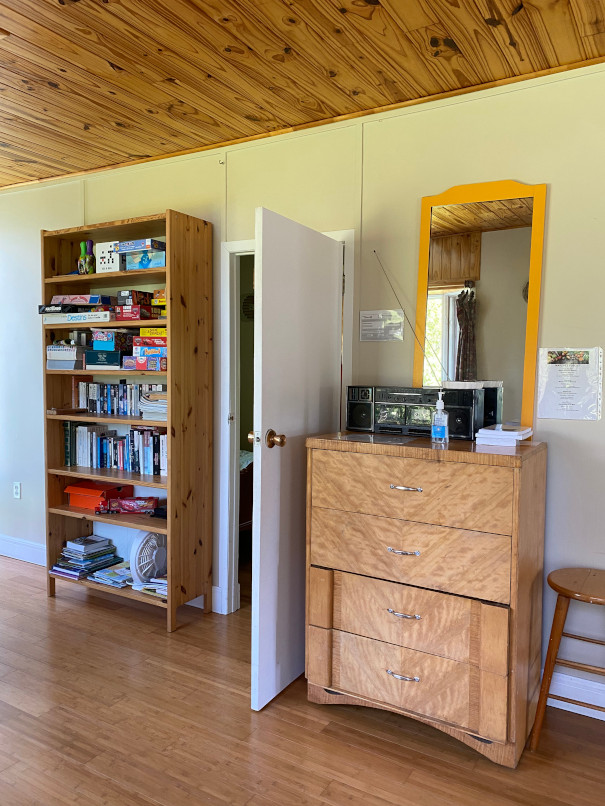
131, 521
321, 594
85, 229
106, 418
320, 655
114, 323
460, 451
108, 278
583, 638
485, 192
125, 593
377, 110
583, 667
576, 702
130, 373
96, 474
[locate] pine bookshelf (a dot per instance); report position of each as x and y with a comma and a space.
187, 486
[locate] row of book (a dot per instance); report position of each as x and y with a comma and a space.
140, 450
122, 399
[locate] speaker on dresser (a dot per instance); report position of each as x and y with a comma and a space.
360, 408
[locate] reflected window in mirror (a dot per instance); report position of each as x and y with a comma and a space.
441, 336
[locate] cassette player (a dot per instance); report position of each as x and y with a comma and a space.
408, 411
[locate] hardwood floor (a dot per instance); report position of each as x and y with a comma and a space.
99, 706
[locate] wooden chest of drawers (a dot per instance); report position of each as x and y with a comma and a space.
424, 583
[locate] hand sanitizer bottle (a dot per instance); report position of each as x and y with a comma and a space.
439, 426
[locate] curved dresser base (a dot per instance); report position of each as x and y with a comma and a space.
506, 754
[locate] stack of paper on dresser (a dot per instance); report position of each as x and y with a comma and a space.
503, 435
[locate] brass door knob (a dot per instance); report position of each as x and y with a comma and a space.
251, 437
272, 439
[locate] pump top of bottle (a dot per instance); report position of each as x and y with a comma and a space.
440, 405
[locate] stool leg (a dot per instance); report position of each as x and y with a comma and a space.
558, 623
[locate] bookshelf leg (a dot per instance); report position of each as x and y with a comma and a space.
50, 586
171, 618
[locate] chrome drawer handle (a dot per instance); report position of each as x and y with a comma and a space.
404, 553
409, 489
403, 677
403, 615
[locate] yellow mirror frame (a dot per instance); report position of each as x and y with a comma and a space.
486, 192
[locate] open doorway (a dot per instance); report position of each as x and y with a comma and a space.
244, 424
236, 475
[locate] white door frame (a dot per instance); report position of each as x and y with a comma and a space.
226, 595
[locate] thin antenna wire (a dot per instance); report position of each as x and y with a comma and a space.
445, 372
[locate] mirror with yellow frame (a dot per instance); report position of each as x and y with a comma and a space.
485, 240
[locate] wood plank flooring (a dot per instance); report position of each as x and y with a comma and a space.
99, 706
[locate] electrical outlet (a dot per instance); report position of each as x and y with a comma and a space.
16, 489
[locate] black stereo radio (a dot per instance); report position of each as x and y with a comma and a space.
406, 410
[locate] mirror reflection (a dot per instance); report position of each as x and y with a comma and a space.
476, 311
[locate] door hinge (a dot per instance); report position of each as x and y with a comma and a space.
231, 418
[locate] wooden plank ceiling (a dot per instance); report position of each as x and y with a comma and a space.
92, 83
450, 219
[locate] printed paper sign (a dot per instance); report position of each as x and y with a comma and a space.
381, 325
570, 383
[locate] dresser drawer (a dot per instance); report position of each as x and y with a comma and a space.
471, 564
453, 627
466, 496
428, 685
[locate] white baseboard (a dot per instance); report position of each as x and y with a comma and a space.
25, 550
219, 600
578, 688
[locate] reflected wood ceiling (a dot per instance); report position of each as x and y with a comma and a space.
93, 83
450, 219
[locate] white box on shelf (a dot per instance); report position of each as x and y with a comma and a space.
108, 258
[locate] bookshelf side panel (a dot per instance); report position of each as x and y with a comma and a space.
189, 284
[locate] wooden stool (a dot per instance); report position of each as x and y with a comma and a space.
583, 585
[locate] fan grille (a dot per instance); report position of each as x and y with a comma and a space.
148, 557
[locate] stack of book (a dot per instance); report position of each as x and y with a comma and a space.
154, 406
64, 356
117, 576
506, 436
78, 308
84, 555
158, 586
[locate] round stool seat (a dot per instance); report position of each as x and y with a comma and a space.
581, 584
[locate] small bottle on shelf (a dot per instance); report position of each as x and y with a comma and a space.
86, 261
439, 426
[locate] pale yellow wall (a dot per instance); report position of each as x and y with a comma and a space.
368, 174
22, 215
502, 313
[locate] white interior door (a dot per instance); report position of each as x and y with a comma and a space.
297, 342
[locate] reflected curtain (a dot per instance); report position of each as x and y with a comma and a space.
466, 357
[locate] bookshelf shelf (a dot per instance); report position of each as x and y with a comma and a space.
128, 323
130, 521
106, 418
125, 593
117, 476
187, 278
111, 278
126, 373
